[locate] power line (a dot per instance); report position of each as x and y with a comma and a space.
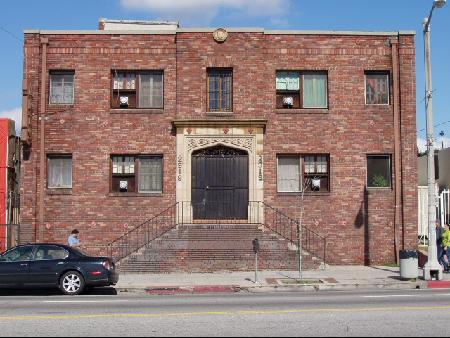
11, 34
437, 125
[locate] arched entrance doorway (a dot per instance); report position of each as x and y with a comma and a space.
220, 184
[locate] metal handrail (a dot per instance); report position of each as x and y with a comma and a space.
182, 213
291, 230
143, 234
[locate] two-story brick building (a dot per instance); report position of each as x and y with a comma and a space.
123, 122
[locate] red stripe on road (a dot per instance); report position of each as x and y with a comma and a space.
439, 285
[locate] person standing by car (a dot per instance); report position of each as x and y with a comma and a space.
440, 247
446, 245
73, 240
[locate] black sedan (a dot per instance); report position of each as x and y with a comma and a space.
55, 265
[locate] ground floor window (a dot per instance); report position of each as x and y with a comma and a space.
131, 174
379, 171
298, 172
59, 171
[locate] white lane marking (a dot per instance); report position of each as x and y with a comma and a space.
84, 301
399, 296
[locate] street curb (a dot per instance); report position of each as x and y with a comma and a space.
335, 287
198, 289
224, 289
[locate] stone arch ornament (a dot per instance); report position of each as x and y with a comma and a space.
193, 136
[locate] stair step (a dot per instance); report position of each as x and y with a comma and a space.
215, 247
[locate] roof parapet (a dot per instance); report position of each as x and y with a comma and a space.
140, 25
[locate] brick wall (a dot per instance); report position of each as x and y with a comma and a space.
358, 223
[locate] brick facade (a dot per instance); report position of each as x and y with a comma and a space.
358, 223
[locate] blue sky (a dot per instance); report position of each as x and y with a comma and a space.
380, 15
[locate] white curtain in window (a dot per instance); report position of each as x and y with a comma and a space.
60, 173
151, 91
288, 81
322, 165
310, 165
128, 165
288, 174
61, 89
150, 174
315, 91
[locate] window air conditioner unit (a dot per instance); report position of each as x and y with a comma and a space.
316, 184
288, 101
124, 186
124, 101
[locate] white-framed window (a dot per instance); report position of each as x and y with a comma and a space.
377, 88
62, 87
59, 171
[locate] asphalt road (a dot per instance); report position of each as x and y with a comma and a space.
399, 313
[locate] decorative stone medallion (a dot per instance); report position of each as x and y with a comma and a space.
220, 35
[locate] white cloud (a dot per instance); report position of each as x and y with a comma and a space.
422, 143
202, 12
442, 140
14, 114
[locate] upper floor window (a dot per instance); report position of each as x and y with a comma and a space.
377, 88
62, 88
302, 89
59, 171
220, 89
143, 90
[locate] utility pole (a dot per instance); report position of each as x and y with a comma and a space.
432, 269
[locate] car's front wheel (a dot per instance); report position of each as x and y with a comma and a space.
72, 283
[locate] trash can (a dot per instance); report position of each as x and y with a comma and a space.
409, 264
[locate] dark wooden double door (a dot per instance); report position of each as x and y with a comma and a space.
220, 179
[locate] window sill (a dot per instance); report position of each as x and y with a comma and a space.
135, 194
60, 107
137, 111
378, 107
379, 190
303, 111
309, 193
219, 113
59, 191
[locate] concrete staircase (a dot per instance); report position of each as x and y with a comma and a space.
211, 248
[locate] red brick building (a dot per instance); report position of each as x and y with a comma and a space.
121, 124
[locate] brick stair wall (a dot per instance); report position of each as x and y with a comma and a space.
212, 248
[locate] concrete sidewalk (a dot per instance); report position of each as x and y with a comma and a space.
332, 278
